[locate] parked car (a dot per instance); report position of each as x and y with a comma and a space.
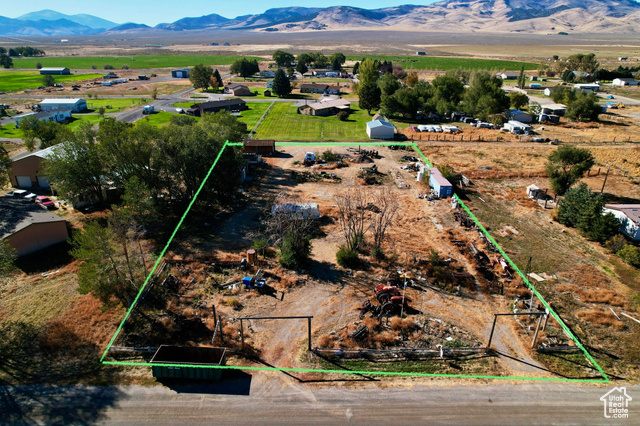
18, 193
45, 202
31, 197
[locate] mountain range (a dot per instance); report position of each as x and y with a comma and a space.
532, 16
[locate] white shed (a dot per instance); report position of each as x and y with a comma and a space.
624, 82
73, 105
380, 129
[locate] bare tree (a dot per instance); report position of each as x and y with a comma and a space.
386, 208
352, 215
279, 223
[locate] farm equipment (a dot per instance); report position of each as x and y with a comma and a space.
463, 219
390, 299
254, 283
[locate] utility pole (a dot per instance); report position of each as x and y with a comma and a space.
605, 179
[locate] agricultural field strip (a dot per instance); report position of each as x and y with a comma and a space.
605, 378
133, 62
450, 63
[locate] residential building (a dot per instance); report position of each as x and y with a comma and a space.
587, 87
325, 106
629, 216
58, 115
521, 116
234, 104
313, 88
27, 227
509, 75
237, 90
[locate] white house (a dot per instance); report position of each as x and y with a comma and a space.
629, 216
380, 129
74, 105
58, 115
624, 82
554, 109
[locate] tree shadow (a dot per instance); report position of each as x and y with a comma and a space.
617, 199
50, 258
39, 370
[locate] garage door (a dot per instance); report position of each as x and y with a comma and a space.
43, 181
24, 181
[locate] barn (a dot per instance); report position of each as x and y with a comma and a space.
257, 146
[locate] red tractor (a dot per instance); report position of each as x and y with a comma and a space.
391, 302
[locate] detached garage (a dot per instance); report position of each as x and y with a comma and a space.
27, 227
26, 169
181, 73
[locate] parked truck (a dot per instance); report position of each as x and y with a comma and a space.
148, 109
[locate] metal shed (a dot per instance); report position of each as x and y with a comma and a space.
180, 73
194, 359
439, 184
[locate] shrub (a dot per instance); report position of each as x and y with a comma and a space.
94, 67
295, 250
108, 67
38, 65
616, 243
261, 245
631, 255
330, 156
343, 116
125, 67
347, 258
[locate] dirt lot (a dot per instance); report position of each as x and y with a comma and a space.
455, 311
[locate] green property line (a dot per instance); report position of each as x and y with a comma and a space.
334, 143
533, 289
193, 200
381, 373
605, 379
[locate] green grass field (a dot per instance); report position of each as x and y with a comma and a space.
449, 63
134, 62
253, 114
10, 131
115, 105
283, 123
158, 119
19, 80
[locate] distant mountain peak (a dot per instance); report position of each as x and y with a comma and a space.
82, 19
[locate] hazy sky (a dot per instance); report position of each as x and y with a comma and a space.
152, 12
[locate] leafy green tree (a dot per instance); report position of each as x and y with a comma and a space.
446, 92
582, 209
183, 120
244, 67
200, 76
138, 200
5, 60
283, 59
338, 58
368, 90
484, 96
566, 165
568, 76
49, 133
301, 67
304, 58
584, 108
388, 84
218, 78
518, 100
76, 169
295, 250
48, 80
522, 78
261, 246
319, 60
281, 84
583, 62
356, 68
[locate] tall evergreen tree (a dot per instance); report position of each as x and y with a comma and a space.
281, 84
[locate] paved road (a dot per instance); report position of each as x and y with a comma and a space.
272, 398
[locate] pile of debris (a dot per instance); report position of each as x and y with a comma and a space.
370, 176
